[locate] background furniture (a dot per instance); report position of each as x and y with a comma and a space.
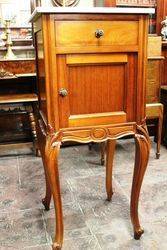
17, 101
164, 64
17, 82
164, 101
164, 91
22, 42
154, 109
89, 90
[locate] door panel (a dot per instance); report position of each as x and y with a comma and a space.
97, 88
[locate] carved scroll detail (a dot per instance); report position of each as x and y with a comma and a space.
96, 134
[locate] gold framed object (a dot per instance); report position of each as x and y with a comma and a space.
66, 3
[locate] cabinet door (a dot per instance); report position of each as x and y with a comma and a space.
96, 89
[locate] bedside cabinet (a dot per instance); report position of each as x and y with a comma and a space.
91, 80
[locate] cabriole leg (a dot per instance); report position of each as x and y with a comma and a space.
51, 154
141, 160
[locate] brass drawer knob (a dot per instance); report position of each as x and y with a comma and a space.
63, 92
99, 33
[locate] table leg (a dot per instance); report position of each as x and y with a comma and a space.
51, 156
103, 152
46, 201
159, 132
34, 132
141, 160
109, 167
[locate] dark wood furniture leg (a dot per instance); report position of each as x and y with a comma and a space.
155, 111
33, 131
109, 167
159, 132
141, 160
103, 152
51, 156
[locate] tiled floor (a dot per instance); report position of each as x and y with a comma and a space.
90, 221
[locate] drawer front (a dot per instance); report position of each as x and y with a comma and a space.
83, 33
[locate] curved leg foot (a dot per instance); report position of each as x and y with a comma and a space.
141, 160
46, 203
109, 167
158, 155
51, 156
138, 234
56, 246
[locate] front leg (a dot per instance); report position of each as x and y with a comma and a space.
51, 154
141, 160
109, 167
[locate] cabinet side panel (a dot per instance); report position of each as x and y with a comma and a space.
41, 74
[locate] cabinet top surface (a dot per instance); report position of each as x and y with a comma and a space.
94, 10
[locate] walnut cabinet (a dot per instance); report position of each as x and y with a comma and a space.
91, 67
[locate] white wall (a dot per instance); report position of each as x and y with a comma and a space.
86, 3
19, 10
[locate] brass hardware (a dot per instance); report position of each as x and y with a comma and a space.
63, 92
8, 41
99, 33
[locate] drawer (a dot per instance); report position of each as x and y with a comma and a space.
82, 33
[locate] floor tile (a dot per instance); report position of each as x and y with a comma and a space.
22, 229
30, 170
74, 222
86, 243
9, 175
90, 221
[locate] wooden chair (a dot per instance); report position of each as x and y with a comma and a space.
28, 100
